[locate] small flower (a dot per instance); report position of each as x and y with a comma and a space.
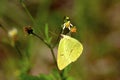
66, 18
13, 36
73, 29
13, 33
67, 25
28, 30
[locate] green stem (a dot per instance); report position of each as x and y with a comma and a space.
53, 56
51, 49
18, 50
3, 28
58, 38
27, 11
52, 52
62, 75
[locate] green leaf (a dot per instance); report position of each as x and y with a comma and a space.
47, 77
70, 78
66, 70
46, 31
47, 38
25, 76
56, 74
44, 77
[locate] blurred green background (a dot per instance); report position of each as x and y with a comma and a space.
98, 29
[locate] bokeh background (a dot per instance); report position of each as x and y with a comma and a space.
98, 29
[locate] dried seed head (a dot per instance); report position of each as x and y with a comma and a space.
28, 30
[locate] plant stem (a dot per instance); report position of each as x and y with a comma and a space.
52, 52
53, 56
51, 49
18, 50
49, 46
3, 28
27, 11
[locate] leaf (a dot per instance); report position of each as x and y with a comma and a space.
66, 70
44, 77
25, 76
70, 78
46, 31
47, 38
47, 77
56, 74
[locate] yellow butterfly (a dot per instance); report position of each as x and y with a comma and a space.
69, 50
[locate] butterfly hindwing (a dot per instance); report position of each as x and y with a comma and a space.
76, 50
62, 58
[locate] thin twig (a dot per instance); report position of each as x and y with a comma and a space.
52, 52
3, 28
50, 47
18, 50
27, 11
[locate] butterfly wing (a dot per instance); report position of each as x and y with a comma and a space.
62, 59
76, 49
68, 51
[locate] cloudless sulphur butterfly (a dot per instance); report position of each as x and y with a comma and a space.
69, 50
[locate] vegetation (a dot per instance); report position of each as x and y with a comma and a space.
29, 38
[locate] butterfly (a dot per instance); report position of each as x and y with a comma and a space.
69, 50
